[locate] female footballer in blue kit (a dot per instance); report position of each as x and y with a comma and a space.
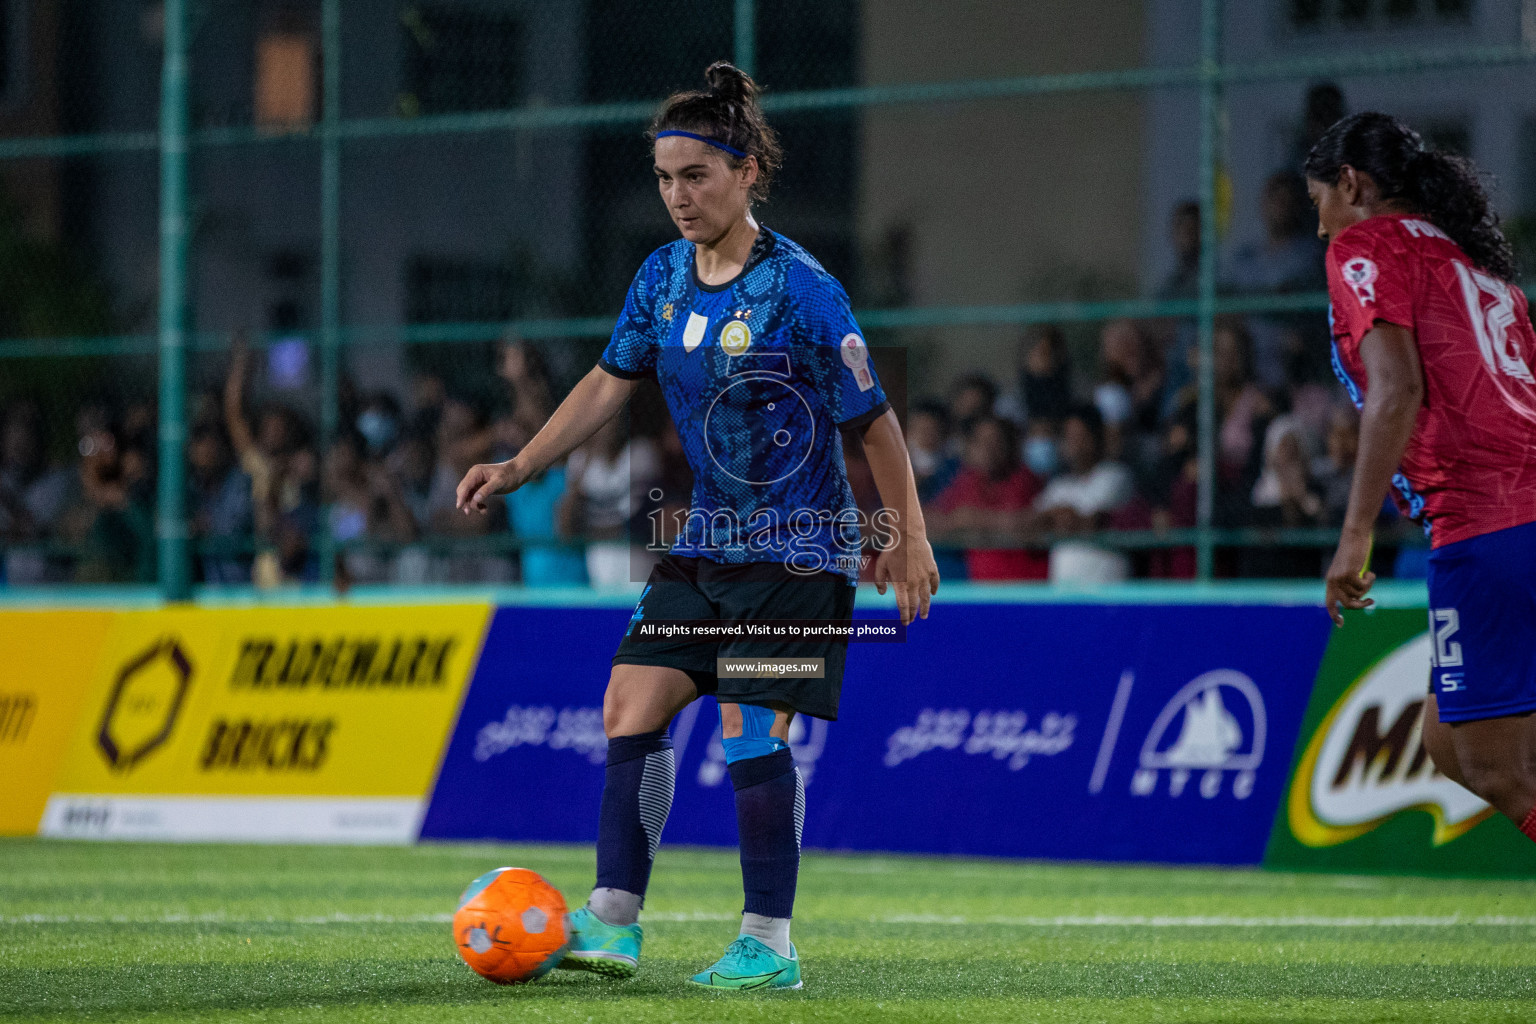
763, 368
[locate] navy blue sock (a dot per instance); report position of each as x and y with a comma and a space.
770, 811
637, 794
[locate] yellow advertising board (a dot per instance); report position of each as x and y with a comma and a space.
303, 724
47, 659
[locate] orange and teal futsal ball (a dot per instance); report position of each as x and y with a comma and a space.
510, 926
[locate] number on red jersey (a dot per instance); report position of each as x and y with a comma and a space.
1491, 322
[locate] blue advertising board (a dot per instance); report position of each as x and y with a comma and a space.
1118, 732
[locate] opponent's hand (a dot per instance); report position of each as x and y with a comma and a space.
1348, 581
487, 479
909, 567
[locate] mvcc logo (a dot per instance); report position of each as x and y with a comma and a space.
145, 701
1215, 724
1212, 738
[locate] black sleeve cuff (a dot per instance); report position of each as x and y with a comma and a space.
615, 371
864, 420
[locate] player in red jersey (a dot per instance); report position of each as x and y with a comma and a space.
1435, 346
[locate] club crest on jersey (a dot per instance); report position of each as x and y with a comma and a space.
666, 311
693, 331
735, 337
1360, 274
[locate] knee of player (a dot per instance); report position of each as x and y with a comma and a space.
622, 713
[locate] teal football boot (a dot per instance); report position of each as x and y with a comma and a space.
748, 964
607, 949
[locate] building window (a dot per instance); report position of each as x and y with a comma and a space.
1451, 136
13, 49
7, 30
1527, 170
287, 66
440, 289
1326, 14
457, 59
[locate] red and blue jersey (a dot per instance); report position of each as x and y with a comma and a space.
1470, 466
760, 374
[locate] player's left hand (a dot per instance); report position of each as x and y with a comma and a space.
909, 567
1348, 580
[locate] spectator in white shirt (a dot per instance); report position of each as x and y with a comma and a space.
607, 480
1081, 500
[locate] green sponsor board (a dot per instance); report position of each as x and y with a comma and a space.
1364, 795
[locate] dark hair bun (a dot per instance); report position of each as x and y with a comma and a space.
727, 112
729, 82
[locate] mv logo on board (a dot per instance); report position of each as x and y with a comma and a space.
1367, 760
145, 700
1214, 728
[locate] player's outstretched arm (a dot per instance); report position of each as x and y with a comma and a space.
1392, 401
595, 400
908, 563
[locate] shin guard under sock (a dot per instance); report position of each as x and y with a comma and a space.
637, 795
770, 813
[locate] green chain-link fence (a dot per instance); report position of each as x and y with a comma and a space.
322, 180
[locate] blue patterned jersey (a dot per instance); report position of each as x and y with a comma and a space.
760, 375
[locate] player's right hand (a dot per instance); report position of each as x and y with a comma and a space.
916, 579
487, 479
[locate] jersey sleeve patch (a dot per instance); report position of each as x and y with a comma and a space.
1371, 276
855, 353
856, 357
1360, 274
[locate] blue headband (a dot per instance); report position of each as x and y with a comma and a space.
738, 154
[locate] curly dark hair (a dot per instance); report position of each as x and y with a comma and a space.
726, 110
1445, 188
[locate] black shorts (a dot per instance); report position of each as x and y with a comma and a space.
695, 589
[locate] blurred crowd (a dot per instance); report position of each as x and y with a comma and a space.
261, 496
1108, 440
1020, 475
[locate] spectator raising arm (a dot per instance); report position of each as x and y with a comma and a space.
242, 439
239, 428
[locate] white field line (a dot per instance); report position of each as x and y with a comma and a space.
1118, 921
225, 919
1064, 921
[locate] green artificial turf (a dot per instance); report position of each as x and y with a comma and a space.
245, 933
